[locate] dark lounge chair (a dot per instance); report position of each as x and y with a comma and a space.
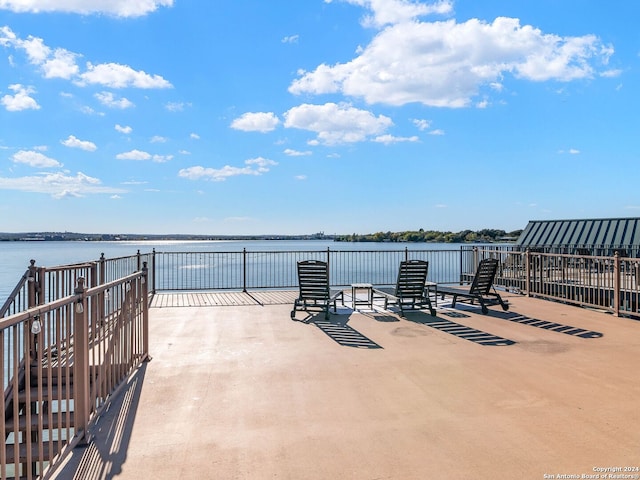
410, 291
481, 287
313, 280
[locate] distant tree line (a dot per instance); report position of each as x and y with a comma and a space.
487, 235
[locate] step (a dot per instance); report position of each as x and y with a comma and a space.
57, 376
34, 452
59, 420
57, 393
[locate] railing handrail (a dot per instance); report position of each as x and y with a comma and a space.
5, 307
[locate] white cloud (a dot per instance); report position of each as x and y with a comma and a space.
162, 158
421, 124
300, 177
22, 99
55, 63
114, 75
90, 111
140, 155
34, 159
389, 139
437, 131
296, 153
386, 12
158, 139
58, 185
256, 122
571, 151
291, 39
73, 142
134, 155
254, 166
335, 123
176, 106
447, 64
7, 37
135, 182
126, 130
35, 48
117, 8
62, 65
108, 99
194, 136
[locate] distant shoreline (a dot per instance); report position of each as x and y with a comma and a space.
466, 236
101, 237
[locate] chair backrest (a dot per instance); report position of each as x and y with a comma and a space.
484, 277
313, 279
411, 278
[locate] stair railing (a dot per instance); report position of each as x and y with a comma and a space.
62, 362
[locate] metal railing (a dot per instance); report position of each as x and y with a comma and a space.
243, 270
40, 285
61, 362
605, 282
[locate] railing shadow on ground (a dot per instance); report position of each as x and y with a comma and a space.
104, 456
461, 331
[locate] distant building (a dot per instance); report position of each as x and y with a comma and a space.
583, 237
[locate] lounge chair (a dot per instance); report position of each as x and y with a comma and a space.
410, 291
481, 287
313, 280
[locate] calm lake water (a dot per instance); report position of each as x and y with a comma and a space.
15, 256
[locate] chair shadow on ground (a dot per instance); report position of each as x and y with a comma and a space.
103, 457
337, 329
552, 326
461, 331
524, 320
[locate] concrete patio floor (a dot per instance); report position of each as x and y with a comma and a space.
245, 392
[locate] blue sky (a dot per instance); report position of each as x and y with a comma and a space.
293, 117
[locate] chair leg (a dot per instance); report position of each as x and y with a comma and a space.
431, 309
485, 310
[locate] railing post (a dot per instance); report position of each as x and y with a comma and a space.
102, 275
616, 283
139, 263
32, 285
81, 400
329, 263
244, 269
527, 271
102, 298
153, 271
406, 254
145, 311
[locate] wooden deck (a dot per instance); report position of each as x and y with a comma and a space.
220, 299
